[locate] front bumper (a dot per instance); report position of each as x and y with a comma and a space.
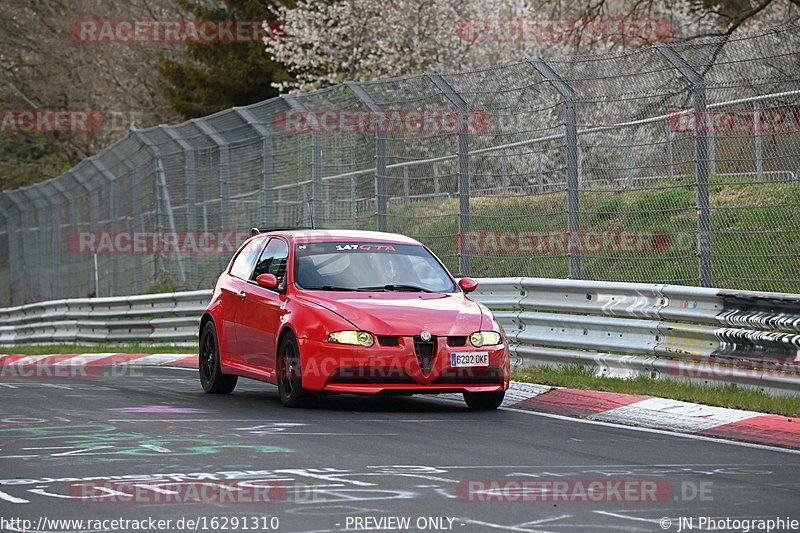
398, 369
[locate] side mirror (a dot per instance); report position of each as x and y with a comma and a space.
467, 284
268, 281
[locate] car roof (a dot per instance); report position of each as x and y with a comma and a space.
335, 235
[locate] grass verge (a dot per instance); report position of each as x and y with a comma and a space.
730, 396
95, 348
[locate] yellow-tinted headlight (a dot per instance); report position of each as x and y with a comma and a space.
358, 338
485, 338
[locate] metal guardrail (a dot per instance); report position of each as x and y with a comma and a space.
145, 318
620, 329
656, 330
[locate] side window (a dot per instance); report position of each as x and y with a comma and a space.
273, 260
244, 262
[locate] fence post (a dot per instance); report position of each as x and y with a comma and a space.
540, 170
318, 191
224, 179
381, 189
505, 172
224, 171
464, 177
137, 180
66, 292
670, 156
406, 184
48, 216
38, 262
16, 277
190, 182
757, 141
113, 214
267, 166
701, 163
163, 193
631, 160
6, 214
573, 162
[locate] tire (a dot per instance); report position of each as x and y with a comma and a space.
211, 377
290, 379
484, 400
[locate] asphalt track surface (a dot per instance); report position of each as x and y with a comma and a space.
351, 463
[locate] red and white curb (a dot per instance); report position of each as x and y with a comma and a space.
658, 413
625, 409
8, 363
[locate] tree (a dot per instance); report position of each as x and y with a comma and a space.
42, 67
218, 75
328, 42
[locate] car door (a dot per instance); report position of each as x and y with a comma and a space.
232, 285
261, 309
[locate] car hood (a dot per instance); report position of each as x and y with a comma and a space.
403, 313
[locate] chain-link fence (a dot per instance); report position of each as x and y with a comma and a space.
676, 163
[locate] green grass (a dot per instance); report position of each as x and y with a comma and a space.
96, 348
742, 237
730, 396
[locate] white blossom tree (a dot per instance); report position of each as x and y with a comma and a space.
328, 42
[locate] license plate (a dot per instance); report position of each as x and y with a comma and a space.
467, 359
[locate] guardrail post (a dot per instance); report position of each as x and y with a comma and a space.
702, 159
163, 193
267, 166
464, 177
381, 189
319, 194
573, 162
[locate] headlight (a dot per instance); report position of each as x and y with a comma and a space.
359, 338
484, 338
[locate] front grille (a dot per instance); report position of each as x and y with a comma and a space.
352, 375
426, 353
491, 375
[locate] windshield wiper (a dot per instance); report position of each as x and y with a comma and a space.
395, 287
332, 288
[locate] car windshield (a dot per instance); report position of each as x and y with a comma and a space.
360, 266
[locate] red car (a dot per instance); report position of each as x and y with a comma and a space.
342, 311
